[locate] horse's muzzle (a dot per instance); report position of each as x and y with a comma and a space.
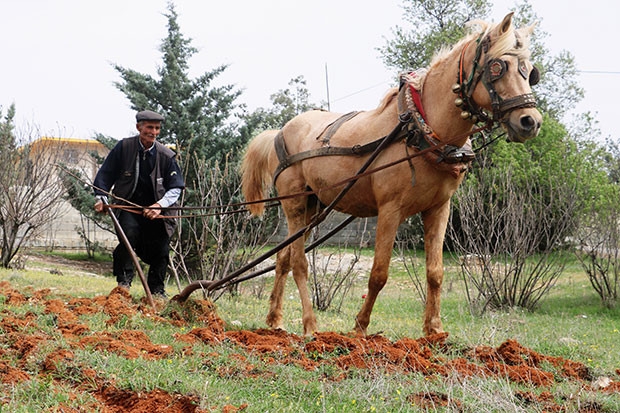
522, 125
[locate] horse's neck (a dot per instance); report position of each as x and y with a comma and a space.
443, 116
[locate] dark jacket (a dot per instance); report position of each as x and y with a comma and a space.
120, 174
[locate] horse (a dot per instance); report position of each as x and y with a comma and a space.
494, 79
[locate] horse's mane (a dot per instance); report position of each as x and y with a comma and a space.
387, 99
513, 41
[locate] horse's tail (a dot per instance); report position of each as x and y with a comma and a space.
255, 173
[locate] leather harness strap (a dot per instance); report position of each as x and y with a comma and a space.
417, 134
287, 160
335, 125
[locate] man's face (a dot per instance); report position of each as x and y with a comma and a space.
149, 130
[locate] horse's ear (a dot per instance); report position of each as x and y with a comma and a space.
505, 24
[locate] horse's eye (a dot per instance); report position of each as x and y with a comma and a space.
534, 76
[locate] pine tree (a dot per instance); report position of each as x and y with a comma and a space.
198, 115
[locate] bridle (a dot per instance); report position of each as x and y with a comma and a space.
489, 71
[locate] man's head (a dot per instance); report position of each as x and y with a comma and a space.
149, 126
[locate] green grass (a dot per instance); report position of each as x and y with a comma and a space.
570, 323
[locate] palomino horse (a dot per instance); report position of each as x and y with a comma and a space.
494, 85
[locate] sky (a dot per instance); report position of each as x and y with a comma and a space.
58, 55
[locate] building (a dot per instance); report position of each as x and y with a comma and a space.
63, 232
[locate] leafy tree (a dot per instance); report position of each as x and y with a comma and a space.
29, 187
81, 197
437, 24
285, 105
434, 24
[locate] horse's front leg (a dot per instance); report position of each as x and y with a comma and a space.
435, 223
387, 224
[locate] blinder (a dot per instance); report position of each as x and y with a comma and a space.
534, 75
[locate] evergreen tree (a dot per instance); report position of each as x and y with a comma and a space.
198, 115
7, 138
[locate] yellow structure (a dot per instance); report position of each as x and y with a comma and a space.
62, 233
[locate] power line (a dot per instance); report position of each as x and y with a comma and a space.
360, 91
599, 72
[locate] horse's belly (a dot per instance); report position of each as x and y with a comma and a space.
357, 210
358, 201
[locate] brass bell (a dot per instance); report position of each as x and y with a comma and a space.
465, 114
456, 88
474, 119
458, 102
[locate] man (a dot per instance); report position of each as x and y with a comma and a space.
143, 171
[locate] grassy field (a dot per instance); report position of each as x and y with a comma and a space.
225, 376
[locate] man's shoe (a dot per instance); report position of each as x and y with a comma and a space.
124, 286
160, 295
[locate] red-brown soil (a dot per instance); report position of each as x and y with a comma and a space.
424, 355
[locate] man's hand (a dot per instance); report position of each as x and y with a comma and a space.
152, 213
99, 206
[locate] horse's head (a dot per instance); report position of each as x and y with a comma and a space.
500, 80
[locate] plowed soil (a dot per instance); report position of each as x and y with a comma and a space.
423, 355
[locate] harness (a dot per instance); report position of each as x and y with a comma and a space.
417, 132
414, 130
489, 72
287, 160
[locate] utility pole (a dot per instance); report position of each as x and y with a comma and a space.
327, 87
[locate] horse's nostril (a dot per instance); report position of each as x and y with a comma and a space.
528, 123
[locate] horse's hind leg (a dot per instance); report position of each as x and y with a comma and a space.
300, 275
298, 213
283, 266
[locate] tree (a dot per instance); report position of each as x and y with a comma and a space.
80, 195
513, 186
198, 115
29, 187
435, 24
285, 105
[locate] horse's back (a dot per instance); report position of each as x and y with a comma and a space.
317, 128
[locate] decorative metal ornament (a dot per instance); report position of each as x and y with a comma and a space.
497, 68
458, 102
456, 88
465, 114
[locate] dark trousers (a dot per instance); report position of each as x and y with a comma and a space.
150, 242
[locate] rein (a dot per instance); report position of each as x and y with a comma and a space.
273, 201
316, 220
